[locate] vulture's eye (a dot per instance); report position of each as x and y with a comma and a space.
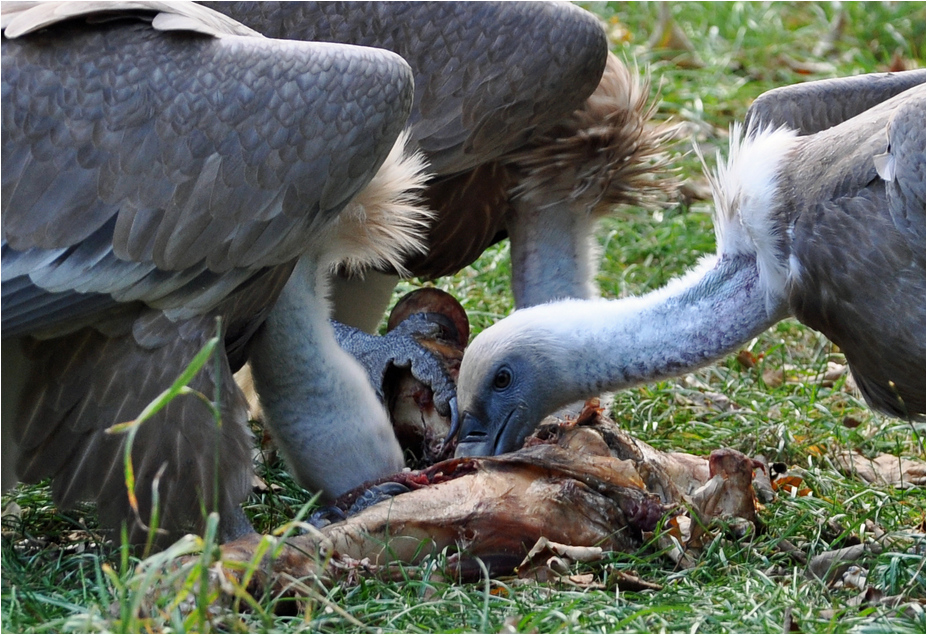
502, 379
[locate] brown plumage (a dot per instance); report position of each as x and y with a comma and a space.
517, 106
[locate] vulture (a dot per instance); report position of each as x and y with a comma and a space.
166, 167
819, 215
167, 177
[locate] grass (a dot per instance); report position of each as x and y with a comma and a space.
57, 577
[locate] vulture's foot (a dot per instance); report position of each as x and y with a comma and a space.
377, 494
327, 515
404, 347
413, 368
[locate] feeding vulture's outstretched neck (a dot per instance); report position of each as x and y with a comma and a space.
162, 170
828, 227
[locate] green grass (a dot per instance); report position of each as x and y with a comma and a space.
57, 577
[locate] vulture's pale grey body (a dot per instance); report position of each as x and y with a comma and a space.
820, 215
152, 181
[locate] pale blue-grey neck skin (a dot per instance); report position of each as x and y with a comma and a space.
567, 351
554, 252
676, 330
317, 400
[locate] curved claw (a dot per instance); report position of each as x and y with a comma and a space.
326, 516
455, 421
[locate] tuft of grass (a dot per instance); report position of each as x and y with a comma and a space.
59, 575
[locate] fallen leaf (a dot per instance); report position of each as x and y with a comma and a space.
791, 482
746, 358
790, 624
546, 558
773, 377
626, 581
851, 422
830, 566
884, 469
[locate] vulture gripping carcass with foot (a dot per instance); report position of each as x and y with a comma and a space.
164, 168
531, 129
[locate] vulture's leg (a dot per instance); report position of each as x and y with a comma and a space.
603, 154
553, 250
317, 400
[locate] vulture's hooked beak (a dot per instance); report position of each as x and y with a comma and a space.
477, 437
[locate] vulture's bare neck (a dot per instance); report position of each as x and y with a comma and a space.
610, 345
719, 306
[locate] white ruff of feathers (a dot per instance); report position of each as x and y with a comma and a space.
387, 220
746, 210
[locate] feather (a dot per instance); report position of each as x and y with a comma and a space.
387, 221
21, 18
744, 188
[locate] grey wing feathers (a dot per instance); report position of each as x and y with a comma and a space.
818, 105
862, 285
248, 147
21, 18
858, 248
487, 74
150, 183
87, 396
906, 151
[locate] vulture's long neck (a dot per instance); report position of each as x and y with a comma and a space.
691, 322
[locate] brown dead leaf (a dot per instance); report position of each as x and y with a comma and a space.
746, 358
833, 373
627, 581
717, 401
787, 483
815, 450
773, 377
830, 566
884, 469
790, 624
547, 559
851, 422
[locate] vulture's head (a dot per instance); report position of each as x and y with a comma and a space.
510, 379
